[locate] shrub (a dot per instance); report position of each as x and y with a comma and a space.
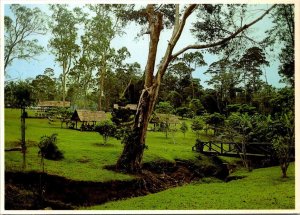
197, 126
106, 129
184, 128
215, 120
284, 141
49, 149
184, 112
164, 107
196, 106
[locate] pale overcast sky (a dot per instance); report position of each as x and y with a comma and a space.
21, 69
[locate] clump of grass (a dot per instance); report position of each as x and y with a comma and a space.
83, 159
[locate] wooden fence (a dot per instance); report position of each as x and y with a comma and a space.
258, 149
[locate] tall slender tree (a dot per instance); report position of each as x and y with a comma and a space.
224, 80
20, 30
99, 44
64, 29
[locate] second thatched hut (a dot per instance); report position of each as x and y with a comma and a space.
87, 118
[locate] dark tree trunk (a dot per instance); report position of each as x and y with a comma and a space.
131, 158
284, 166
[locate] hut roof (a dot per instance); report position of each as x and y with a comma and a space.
88, 116
131, 106
128, 106
160, 117
54, 104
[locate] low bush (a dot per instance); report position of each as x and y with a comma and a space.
49, 149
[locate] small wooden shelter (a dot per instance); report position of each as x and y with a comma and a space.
44, 106
160, 119
52, 104
132, 107
88, 116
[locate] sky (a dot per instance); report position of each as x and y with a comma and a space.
138, 48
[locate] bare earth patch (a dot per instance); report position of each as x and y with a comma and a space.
35, 190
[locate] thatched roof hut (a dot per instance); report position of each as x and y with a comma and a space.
132, 107
165, 118
45, 104
88, 116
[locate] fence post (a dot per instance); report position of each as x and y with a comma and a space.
201, 146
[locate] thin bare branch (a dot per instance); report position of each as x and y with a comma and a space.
223, 41
175, 37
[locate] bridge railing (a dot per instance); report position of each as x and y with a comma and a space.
223, 148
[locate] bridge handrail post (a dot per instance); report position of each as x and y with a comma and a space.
201, 146
221, 147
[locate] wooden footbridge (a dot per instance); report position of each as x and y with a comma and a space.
232, 149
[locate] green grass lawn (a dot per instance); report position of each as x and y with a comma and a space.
85, 155
260, 189
85, 158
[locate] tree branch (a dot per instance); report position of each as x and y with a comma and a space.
223, 41
175, 37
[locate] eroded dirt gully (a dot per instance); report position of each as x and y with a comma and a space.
23, 190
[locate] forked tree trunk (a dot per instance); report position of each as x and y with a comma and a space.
131, 157
133, 151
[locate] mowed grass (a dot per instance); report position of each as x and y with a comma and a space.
84, 152
260, 189
86, 156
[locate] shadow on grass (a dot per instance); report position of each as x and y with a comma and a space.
83, 159
17, 143
103, 144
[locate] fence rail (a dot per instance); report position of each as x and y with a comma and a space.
259, 149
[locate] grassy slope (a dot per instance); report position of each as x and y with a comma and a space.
85, 158
261, 189
84, 153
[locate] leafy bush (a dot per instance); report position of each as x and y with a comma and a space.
283, 152
184, 112
215, 120
197, 126
164, 107
284, 141
49, 149
241, 108
196, 106
184, 128
106, 129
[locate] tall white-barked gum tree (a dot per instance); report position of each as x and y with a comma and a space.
131, 157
